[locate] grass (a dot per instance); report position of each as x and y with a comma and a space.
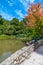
12, 45
24, 39
6, 37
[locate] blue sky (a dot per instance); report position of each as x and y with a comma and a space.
15, 8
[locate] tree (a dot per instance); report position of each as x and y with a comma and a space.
35, 18
35, 12
14, 21
18, 26
1, 22
9, 30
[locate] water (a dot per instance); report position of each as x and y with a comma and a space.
4, 56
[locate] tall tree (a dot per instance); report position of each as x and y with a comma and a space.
35, 18
35, 13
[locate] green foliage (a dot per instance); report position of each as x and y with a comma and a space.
38, 29
9, 30
14, 21
19, 28
24, 39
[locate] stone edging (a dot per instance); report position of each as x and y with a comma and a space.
19, 56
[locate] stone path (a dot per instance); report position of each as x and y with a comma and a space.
36, 58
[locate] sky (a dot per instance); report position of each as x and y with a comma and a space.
15, 8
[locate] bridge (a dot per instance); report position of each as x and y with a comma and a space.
28, 55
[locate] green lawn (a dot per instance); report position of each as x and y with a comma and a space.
12, 45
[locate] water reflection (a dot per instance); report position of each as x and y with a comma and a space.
4, 56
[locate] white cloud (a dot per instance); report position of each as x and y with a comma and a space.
19, 13
31, 1
11, 3
6, 15
25, 3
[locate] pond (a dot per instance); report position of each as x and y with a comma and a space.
4, 56
8, 47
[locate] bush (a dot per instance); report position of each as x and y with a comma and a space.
7, 37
